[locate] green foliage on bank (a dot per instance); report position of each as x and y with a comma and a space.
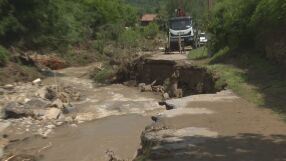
57, 24
258, 24
4, 54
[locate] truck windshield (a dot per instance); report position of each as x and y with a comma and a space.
181, 24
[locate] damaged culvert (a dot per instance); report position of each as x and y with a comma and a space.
191, 79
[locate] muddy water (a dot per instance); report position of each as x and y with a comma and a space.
90, 141
119, 115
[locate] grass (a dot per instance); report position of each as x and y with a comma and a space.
198, 54
249, 75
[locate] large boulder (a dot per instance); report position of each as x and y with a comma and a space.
37, 103
14, 110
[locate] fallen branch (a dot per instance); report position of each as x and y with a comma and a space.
11, 157
46, 147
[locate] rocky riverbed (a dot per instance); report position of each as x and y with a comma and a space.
48, 109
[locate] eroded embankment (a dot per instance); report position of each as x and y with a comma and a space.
167, 73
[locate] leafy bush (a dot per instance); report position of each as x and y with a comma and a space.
129, 38
151, 31
4, 54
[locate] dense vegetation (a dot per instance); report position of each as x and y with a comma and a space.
58, 23
70, 26
259, 24
248, 47
147, 6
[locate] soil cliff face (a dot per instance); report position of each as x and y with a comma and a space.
191, 79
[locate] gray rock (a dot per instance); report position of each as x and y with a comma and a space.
69, 108
14, 110
170, 106
37, 103
53, 113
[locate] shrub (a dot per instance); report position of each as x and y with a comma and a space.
104, 75
4, 54
129, 38
151, 31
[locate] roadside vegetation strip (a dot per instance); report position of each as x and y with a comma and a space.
249, 75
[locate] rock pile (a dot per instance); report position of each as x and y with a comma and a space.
35, 108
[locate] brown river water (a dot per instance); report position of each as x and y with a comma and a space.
119, 115
89, 141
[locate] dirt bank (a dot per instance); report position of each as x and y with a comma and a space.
160, 68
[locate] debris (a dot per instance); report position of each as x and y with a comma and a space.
21, 157
37, 81
45, 147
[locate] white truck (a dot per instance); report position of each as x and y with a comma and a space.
181, 33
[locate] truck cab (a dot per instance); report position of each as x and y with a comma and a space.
181, 31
